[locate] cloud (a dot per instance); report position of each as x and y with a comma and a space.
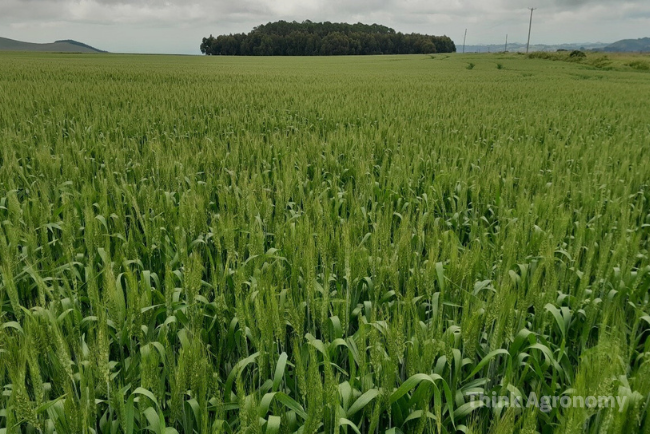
183, 21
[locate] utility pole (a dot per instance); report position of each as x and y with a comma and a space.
530, 26
506, 50
464, 39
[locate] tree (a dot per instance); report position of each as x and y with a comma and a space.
335, 44
283, 38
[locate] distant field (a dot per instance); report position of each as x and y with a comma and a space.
323, 245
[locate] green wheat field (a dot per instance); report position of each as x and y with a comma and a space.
323, 245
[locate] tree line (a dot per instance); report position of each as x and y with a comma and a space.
284, 38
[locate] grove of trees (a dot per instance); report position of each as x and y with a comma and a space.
284, 38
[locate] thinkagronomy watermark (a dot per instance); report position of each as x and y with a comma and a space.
547, 403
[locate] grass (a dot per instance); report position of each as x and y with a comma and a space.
609, 61
272, 245
639, 65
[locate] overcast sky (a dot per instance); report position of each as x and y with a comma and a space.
177, 26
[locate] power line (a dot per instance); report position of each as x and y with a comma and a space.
464, 39
530, 26
506, 50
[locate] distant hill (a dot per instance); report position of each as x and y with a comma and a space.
629, 45
519, 47
66, 46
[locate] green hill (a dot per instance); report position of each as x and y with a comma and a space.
630, 45
65, 46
